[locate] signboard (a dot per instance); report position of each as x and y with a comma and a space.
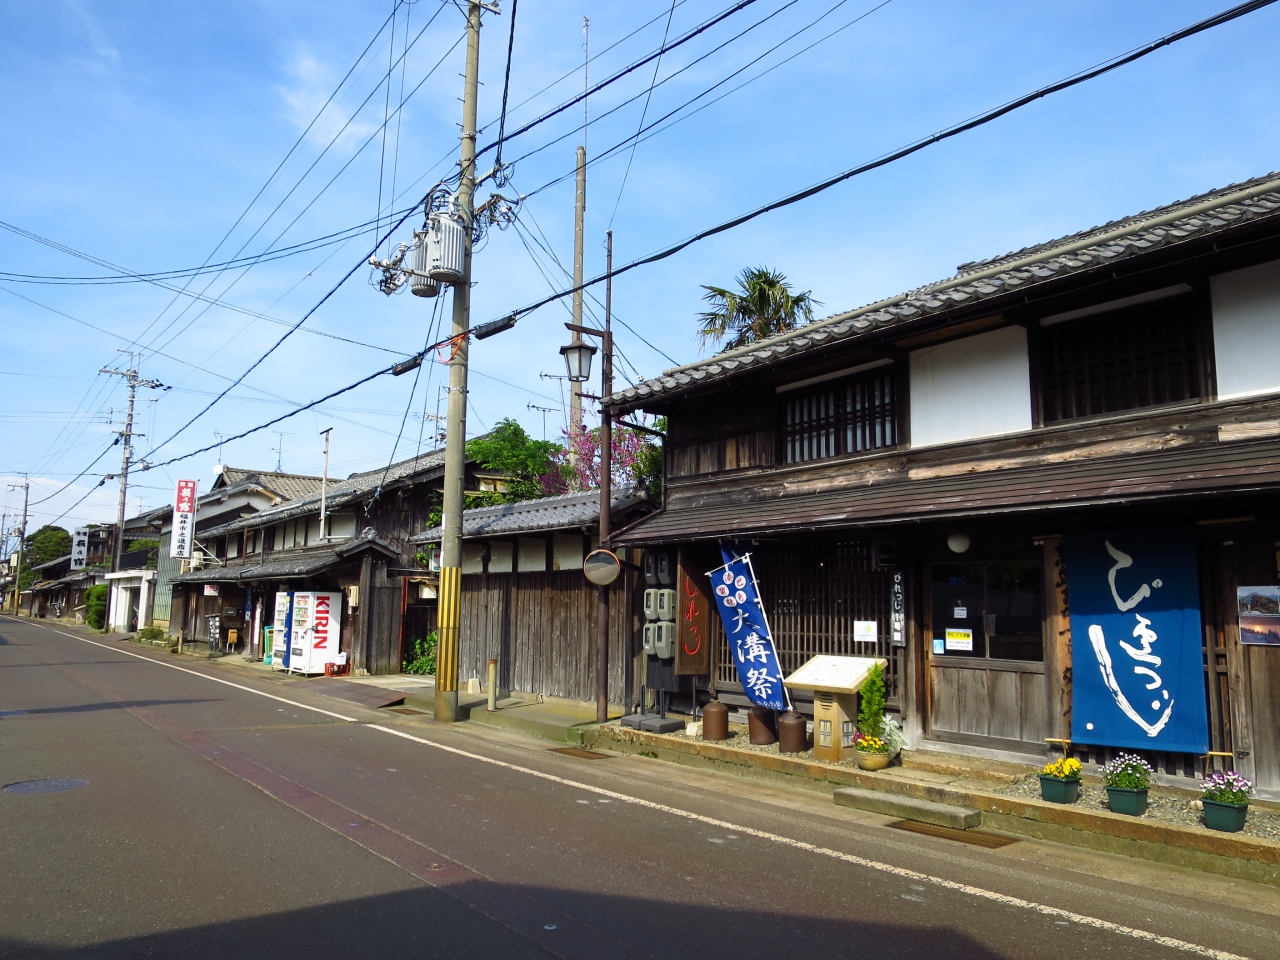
693, 620
210, 589
182, 536
865, 631
1137, 661
79, 548
1259, 611
737, 597
957, 639
898, 621
828, 674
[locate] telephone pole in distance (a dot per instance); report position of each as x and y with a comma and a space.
134, 381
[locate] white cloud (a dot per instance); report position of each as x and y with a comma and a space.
310, 85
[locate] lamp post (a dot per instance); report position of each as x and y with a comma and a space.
577, 359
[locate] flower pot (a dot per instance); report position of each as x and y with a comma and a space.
1127, 800
872, 761
1058, 790
1225, 816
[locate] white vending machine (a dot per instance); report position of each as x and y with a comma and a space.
315, 626
280, 631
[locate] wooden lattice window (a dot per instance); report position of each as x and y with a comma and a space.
1143, 356
855, 415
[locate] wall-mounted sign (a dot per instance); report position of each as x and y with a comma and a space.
693, 618
1136, 650
1259, 610
865, 631
210, 589
182, 536
961, 640
898, 615
79, 548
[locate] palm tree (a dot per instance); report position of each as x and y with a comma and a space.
762, 306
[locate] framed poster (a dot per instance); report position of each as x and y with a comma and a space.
1259, 612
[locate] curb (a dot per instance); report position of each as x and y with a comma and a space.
1231, 855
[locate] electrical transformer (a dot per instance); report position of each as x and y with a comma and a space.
419, 283
445, 241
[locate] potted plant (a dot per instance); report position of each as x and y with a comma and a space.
1060, 781
871, 749
1226, 801
1127, 779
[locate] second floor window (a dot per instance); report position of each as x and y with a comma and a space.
857, 415
1142, 356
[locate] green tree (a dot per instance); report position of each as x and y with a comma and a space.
525, 461
763, 306
47, 543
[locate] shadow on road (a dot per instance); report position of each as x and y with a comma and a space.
430, 923
112, 705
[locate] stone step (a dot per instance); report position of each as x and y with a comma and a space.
908, 808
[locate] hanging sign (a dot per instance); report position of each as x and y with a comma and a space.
182, 536
1259, 612
1136, 652
750, 642
693, 620
79, 548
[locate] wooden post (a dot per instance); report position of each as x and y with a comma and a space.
1057, 642
1237, 671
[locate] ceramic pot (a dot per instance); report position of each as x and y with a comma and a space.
872, 761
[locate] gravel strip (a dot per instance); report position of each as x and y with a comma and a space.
1166, 809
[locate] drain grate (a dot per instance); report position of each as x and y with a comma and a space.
580, 753
975, 837
44, 786
408, 712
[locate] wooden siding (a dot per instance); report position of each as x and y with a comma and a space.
541, 628
980, 701
728, 432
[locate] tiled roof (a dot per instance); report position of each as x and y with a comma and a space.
528, 516
289, 486
340, 493
282, 566
1020, 271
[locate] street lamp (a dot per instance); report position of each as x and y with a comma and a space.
577, 357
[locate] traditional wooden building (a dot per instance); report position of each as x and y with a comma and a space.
362, 549
527, 604
951, 449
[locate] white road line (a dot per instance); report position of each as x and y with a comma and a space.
903, 872
1041, 908
194, 673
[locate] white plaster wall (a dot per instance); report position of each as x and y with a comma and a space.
977, 386
1246, 330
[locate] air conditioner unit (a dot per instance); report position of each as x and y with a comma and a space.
419, 282
445, 241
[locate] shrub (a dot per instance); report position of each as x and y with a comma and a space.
421, 657
151, 633
95, 605
871, 703
1128, 772
1227, 788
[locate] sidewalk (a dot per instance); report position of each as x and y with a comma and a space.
965, 792
552, 718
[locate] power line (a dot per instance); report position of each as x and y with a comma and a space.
506, 88
1201, 26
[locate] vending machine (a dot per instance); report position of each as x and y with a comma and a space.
280, 630
315, 628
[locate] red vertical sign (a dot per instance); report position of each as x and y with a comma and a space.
693, 617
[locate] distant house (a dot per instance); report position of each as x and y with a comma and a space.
527, 604
930, 462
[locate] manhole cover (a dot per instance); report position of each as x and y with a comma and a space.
44, 786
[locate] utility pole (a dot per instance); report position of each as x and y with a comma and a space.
134, 381
579, 212
606, 487
450, 589
22, 540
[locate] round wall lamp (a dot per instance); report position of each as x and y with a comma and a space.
958, 542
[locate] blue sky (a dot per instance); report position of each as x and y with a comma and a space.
140, 132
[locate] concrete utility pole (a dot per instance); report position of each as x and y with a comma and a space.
579, 212
134, 381
324, 485
22, 539
455, 462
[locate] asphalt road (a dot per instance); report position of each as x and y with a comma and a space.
231, 814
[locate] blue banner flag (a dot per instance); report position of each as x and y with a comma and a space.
1136, 645
750, 642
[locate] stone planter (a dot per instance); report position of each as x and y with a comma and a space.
1127, 801
1059, 790
872, 761
1228, 817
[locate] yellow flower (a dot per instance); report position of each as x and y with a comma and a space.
1067, 768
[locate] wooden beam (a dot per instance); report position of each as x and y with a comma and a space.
1057, 642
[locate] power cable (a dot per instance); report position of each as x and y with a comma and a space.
115, 443
1233, 13
506, 88
417, 372
643, 113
